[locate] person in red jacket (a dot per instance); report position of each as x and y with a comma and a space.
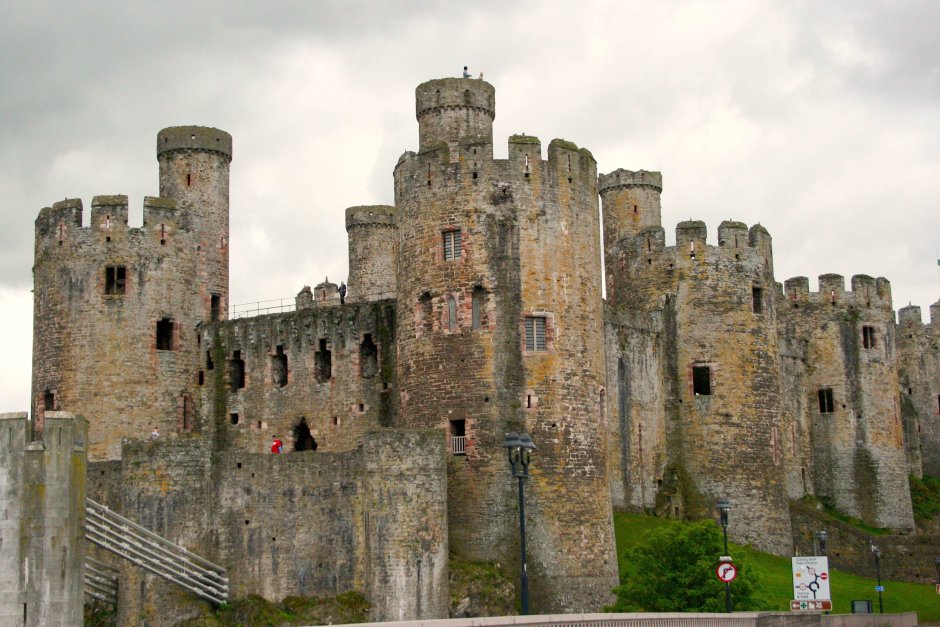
276, 445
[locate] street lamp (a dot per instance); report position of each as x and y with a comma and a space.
821, 537
724, 506
936, 561
519, 447
877, 553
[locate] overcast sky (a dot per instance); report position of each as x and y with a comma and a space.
820, 120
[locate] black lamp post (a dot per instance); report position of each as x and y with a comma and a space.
519, 446
877, 553
821, 537
724, 506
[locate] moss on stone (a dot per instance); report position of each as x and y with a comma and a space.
480, 589
563, 143
349, 607
524, 139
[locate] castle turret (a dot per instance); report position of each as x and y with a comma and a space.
498, 273
194, 171
452, 110
373, 252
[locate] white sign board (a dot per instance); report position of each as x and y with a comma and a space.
811, 578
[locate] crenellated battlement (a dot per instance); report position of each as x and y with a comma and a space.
866, 292
59, 228
621, 178
910, 316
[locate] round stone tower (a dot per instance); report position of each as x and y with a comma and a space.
631, 203
194, 171
373, 252
451, 109
498, 280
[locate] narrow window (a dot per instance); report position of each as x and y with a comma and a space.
186, 413
535, 333
451, 314
233, 418
451, 245
279, 367
115, 278
458, 437
236, 371
324, 362
825, 401
368, 357
209, 364
477, 307
201, 378
425, 308
215, 303
48, 401
189, 180
868, 337
165, 334
701, 380
757, 299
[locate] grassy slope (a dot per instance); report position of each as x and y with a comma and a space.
776, 577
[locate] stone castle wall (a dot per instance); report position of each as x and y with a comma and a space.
918, 347
42, 532
332, 366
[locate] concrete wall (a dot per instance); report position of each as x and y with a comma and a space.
42, 534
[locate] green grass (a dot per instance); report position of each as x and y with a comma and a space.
776, 584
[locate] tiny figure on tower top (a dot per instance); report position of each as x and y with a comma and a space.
466, 73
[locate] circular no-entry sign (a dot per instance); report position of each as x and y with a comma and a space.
726, 572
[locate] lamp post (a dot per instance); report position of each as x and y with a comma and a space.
821, 537
936, 561
877, 553
724, 506
519, 447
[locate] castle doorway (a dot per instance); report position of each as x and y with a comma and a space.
303, 439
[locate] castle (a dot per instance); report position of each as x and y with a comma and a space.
474, 308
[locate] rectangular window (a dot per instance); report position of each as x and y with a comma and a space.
701, 380
165, 334
115, 277
868, 337
236, 372
757, 299
214, 304
535, 333
451, 245
825, 401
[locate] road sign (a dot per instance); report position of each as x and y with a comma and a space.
879, 588
811, 578
726, 572
810, 606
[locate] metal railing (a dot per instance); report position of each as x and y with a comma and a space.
458, 444
101, 581
161, 557
262, 307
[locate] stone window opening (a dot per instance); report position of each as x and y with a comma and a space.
165, 334
185, 408
429, 175
636, 210
368, 357
335, 421
215, 302
826, 405
701, 380
303, 439
163, 235
692, 251
48, 400
324, 362
209, 364
425, 309
527, 166
279, 367
451, 244
236, 371
451, 314
60, 233
477, 308
115, 280
535, 333
233, 418
361, 407
201, 378
757, 300
458, 437
868, 336
189, 180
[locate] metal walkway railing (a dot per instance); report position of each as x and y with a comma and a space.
161, 557
101, 581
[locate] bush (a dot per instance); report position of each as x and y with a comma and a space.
925, 497
673, 570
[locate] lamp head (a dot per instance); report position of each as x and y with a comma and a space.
526, 442
821, 536
723, 505
512, 441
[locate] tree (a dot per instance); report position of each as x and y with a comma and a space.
673, 570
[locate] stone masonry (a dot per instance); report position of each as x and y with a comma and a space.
474, 307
